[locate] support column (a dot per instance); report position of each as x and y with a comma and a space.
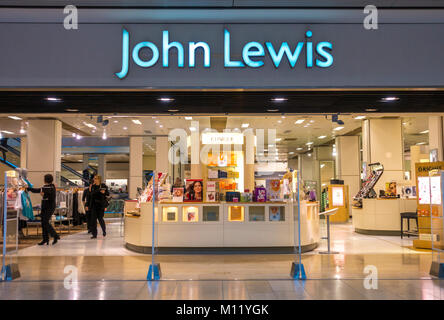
196, 167
101, 170
348, 164
23, 152
436, 135
43, 152
382, 142
135, 166
249, 162
85, 161
162, 147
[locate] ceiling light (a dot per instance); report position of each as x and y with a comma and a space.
94, 131
78, 137
157, 121
291, 152
192, 129
338, 128
272, 110
14, 118
22, 130
371, 109
173, 110
72, 110
188, 118
322, 137
389, 99
74, 135
359, 117
299, 148
7, 132
165, 99
279, 99
425, 131
53, 99
245, 125
278, 139
125, 128
161, 125
115, 121
309, 143
89, 125
283, 117
312, 121
420, 143
279, 121
104, 137
136, 121
299, 121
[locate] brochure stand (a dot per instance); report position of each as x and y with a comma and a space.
297, 267
436, 187
154, 272
328, 213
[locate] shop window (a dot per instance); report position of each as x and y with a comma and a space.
256, 213
236, 213
210, 213
169, 214
276, 213
190, 214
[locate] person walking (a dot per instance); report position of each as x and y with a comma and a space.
97, 205
48, 192
86, 198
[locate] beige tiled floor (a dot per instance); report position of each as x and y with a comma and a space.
106, 270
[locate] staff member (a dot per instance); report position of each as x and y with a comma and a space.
48, 192
97, 205
86, 201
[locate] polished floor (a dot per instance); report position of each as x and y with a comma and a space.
104, 269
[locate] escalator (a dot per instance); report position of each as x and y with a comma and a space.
5, 147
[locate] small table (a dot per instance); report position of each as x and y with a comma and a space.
328, 213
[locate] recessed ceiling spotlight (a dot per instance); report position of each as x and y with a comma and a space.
299, 121
425, 131
312, 121
7, 132
74, 135
104, 136
188, 118
421, 143
272, 110
161, 125
245, 125
283, 117
359, 117
14, 118
22, 130
72, 110
78, 137
309, 143
338, 128
165, 99
278, 139
299, 148
390, 99
116, 121
279, 99
192, 129
371, 109
291, 152
279, 121
53, 99
322, 137
136, 121
173, 110
157, 121
125, 128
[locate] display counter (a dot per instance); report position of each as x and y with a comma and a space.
381, 216
212, 226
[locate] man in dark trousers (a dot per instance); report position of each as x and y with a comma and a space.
86, 200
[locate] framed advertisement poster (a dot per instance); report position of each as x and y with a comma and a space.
337, 196
193, 190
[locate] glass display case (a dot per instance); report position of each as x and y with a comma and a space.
210, 213
236, 213
190, 214
256, 213
170, 214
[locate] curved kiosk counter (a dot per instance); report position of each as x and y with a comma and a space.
222, 227
381, 216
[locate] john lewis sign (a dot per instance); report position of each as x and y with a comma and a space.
316, 54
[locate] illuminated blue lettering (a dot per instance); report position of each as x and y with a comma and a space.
227, 61
192, 53
125, 55
325, 54
167, 46
309, 47
277, 57
154, 58
247, 53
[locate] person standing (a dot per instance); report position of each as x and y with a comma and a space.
97, 205
86, 198
48, 192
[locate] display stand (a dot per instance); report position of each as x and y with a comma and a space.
297, 267
436, 187
154, 272
10, 268
328, 213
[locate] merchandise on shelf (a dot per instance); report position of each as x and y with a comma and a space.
178, 194
273, 189
194, 190
260, 194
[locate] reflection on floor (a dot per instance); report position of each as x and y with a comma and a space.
106, 270
227, 290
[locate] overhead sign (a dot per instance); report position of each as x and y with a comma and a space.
222, 138
253, 53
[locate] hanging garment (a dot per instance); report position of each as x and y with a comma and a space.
27, 206
81, 207
75, 212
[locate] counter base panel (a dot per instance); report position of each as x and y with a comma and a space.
219, 250
378, 232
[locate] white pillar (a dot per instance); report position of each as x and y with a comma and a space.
162, 147
101, 170
85, 161
43, 151
382, 142
23, 152
348, 164
135, 166
436, 135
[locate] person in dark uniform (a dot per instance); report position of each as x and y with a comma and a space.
86, 198
97, 205
48, 192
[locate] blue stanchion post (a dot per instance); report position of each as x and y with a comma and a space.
297, 269
5, 211
154, 269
